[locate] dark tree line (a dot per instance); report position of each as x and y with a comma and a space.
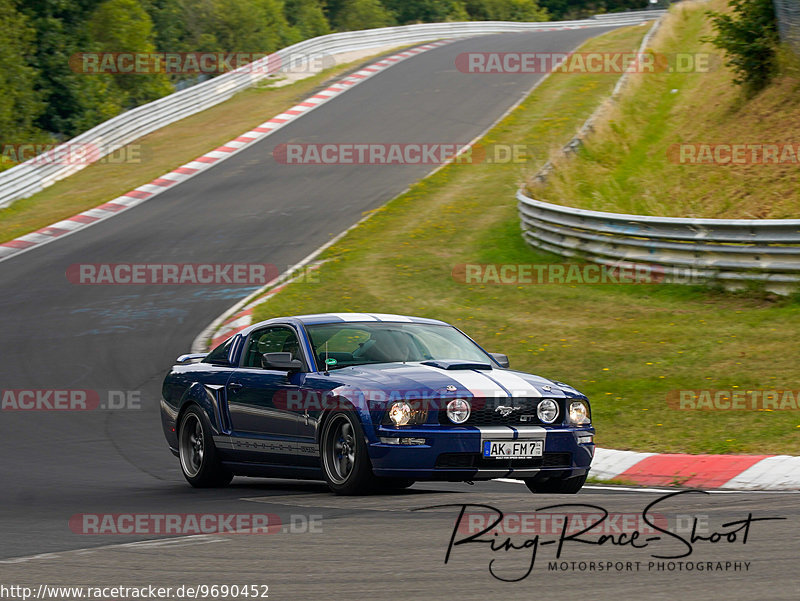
562, 10
44, 99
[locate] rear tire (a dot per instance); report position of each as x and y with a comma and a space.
199, 460
570, 486
343, 451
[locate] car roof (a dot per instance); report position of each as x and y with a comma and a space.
320, 318
325, 318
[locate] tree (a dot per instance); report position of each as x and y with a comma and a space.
307, 17
362, 14
124, 26
505, 10
274, 15
250, 25
197, 17
169, 19
579, 9
522, 10
459, 12
749, 38
69, 96
19, 105
425, 11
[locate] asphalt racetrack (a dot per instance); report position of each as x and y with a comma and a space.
120, 340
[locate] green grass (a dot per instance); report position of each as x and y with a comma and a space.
159, 152
625, 166
612, 481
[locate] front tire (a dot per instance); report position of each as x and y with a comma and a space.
570, 486
345, 462
199, 460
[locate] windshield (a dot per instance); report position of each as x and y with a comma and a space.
344, 344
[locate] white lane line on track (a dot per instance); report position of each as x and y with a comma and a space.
180, 541
663, 490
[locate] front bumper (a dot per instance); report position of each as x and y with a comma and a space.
454, 452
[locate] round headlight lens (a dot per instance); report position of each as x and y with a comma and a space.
458, 411
400, 413
578, 413
547, 411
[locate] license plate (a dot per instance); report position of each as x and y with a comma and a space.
512, 449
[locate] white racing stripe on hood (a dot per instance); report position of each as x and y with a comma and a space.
519, 387
479, 385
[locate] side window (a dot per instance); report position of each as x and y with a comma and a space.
219, 355
275, 339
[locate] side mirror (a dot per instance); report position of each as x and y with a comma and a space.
281, 362
500, 358
190, 357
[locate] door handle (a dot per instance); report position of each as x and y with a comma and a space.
234, 387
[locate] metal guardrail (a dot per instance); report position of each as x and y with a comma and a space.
729, 250
732, 251
649, 14
788, 14
32, 176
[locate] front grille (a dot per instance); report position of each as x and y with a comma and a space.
476, 460
485, 412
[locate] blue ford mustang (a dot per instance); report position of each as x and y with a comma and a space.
368, 401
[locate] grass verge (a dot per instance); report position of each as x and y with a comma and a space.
625, 346
632, 162
157, 153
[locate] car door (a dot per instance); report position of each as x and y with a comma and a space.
316, 389
263, 427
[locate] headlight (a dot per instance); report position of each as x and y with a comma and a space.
547, 411
401, 413
578, 413
458, 411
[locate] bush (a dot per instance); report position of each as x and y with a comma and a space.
749, 38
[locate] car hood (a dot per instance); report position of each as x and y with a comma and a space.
408, 380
